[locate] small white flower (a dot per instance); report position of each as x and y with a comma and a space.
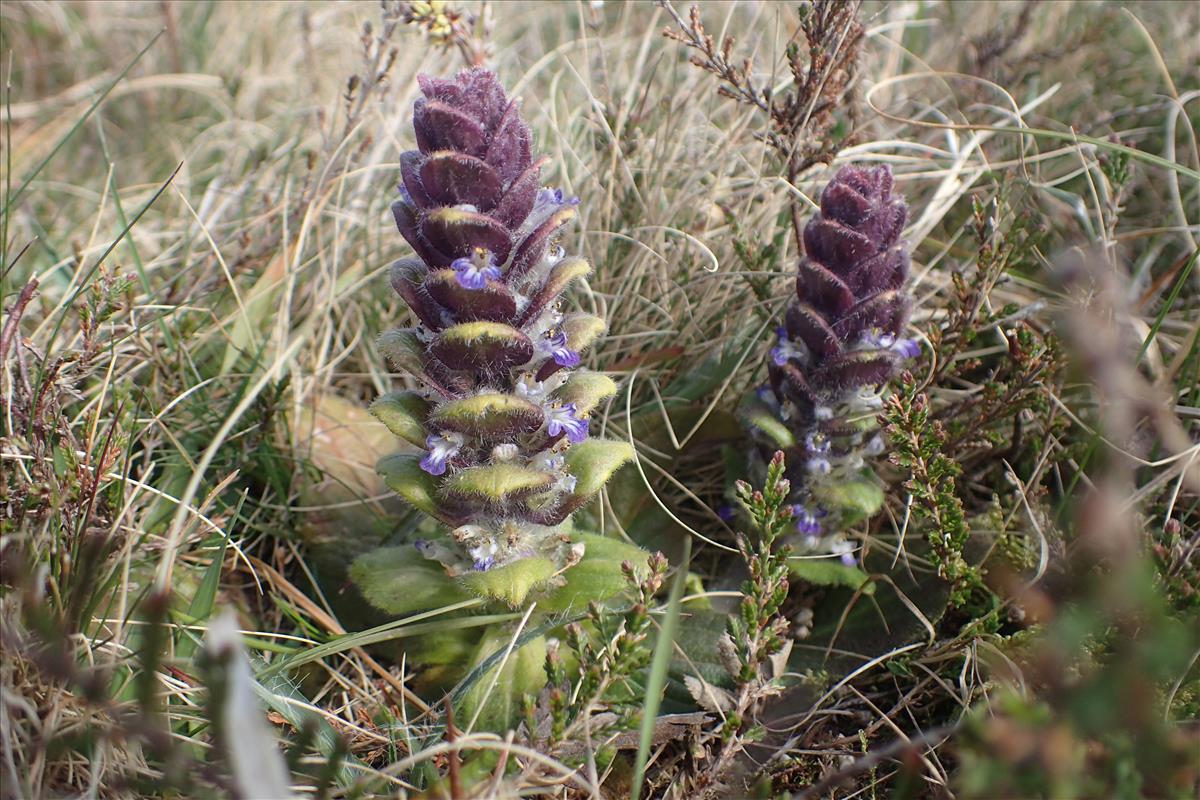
505, 452
530, 389
845, 550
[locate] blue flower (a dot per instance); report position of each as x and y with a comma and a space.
563, 355
553, 197
560, 419
806, 521
786, 350
905, 348
442, 448
474, 273
845, 550
817, 442
483, 557
819, 466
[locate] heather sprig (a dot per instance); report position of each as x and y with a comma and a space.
918, 445
841, 341
594, 688
502, 409
754, 649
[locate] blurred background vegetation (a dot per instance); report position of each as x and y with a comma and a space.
195, 241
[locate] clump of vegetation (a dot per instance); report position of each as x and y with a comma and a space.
206, 588
503, 409
842, 340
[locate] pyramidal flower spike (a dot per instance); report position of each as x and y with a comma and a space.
502, 407
841, 341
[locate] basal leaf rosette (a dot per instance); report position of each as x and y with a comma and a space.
502, 409
841, 342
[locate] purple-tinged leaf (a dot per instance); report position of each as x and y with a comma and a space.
556, 283
806, 325
493, 302
852, 370
822, 289
410, 171
531, 250
842, 202
883, 271
459, 233
442, 127
511, 148
887, 311
453, 179
834, 244
406, 276
518, 199
407, 221
483, 346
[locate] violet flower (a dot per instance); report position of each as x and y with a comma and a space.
565, 419
563, 355
474, 273
442, 448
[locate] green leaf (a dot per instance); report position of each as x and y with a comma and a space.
698, 638
830, 572
482, 345
510, 583
285, 699
598, 576
494, 700
582, 330
403, 474
399, 580
489, 413
586, 390
404, 415
766, 422
594, 461
496, 482
854, 499
404, 349
206, 594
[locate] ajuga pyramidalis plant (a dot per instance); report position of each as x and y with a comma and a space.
501, 406
839, 345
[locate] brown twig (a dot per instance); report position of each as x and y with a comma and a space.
14, 316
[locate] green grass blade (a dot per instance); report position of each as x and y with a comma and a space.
397, 629
659, 666
1180, 282
206, 594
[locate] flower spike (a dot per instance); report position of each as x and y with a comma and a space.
503, 405
841, 342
